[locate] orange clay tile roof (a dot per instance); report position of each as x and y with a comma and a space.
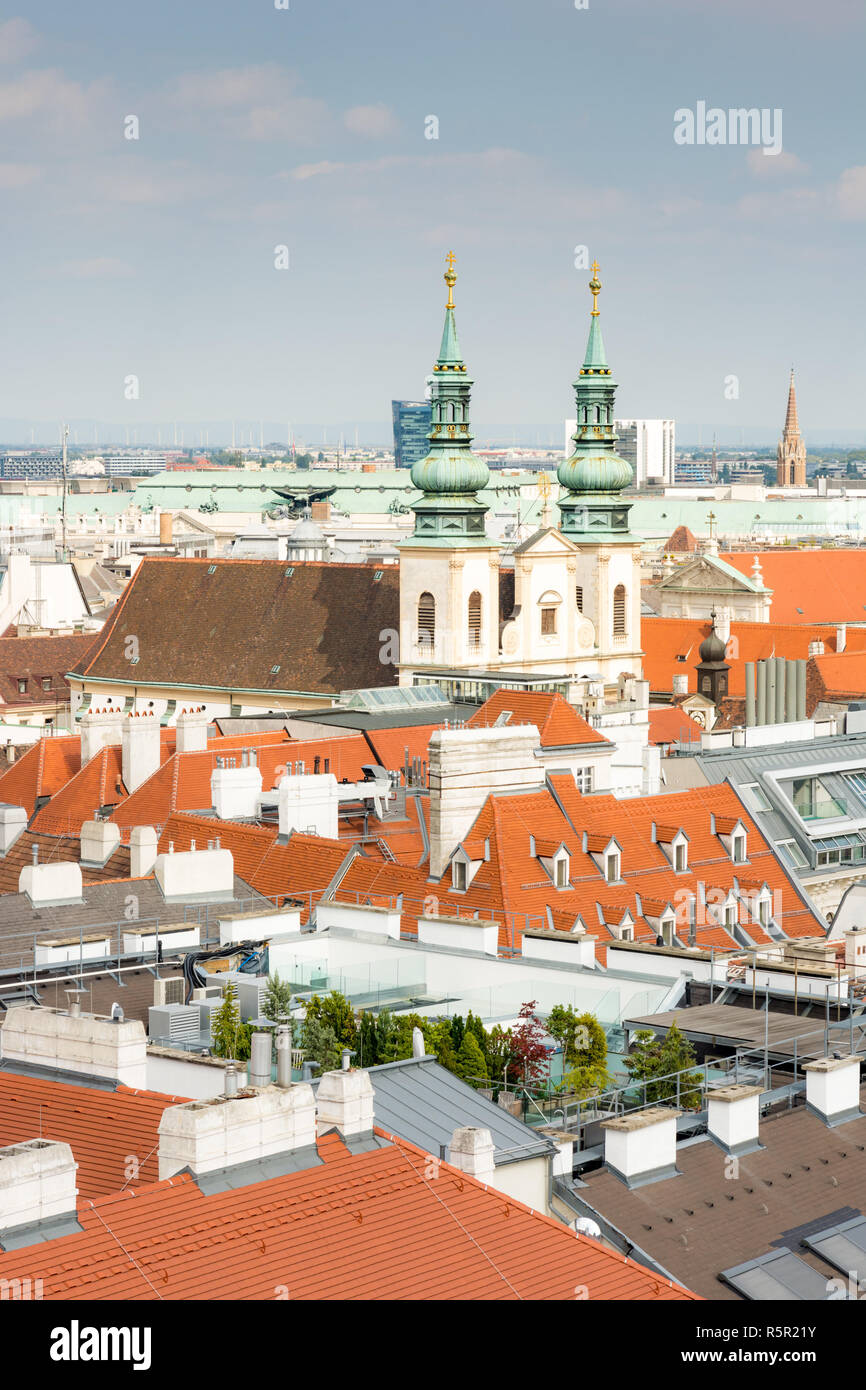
672, 723
365, 1226
810, 586
56, 849
842, 676
664, 640
105, 1129
391, 746
559, 725
41, 771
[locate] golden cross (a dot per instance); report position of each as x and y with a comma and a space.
595, 286
450, 278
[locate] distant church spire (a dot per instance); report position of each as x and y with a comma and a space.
791, 453
449, 512
595, 474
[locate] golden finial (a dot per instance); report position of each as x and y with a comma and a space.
450, 278
595, 286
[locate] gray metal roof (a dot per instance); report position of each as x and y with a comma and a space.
420, 1101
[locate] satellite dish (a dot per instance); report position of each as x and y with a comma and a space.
586, 1227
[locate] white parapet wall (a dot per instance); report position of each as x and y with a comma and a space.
195, 873
351, 917
572, 948
49, 885
205, 1135
41, 1037
37, 1182
258, 926
460, 933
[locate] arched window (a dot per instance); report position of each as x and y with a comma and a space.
475, 619
619, 611
578, 597
598, 415
426, 620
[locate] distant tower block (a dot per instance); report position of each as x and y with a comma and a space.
791, 453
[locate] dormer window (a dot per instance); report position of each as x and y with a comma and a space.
668, 930
612, 866
730, 915
458, 876
626, 934
681, 857
560, 867
738, 847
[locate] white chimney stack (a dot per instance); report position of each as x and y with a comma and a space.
733, 1119
206, 1135
841, 638
471, 1150
832, 1089
466, 765
345, 1101
52, 885
99, 840
100, 729
192, 726
141, 749
642, 1147
37, 1183
13, 823
309, 802
142, 851
195, 874
42, 1037
236, 792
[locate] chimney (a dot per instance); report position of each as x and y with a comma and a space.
37, 1183
284, 1055
192, 726
309, 801
855, 952
260, 1058
236, 792
734, 1114
99, 840
89, 1046
166, 528
141, 749
345, 1101
206, 1135
466, 765
51, 885
642, 1147
100, 729
841, 638
208, 873
832, 1089
471, 1150
142, 851
13, 823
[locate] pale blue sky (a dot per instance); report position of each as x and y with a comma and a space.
261, 127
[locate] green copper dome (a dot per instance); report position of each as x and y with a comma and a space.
594, 474
450, 476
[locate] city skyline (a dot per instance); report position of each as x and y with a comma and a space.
256, 219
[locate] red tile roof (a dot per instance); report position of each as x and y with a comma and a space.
810, 586
109, 1132
560, 726
32, 659
372, 1225
671, 724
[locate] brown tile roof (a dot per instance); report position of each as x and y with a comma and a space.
233, 621
356, 1226
32, 659
702, 1221
56, 849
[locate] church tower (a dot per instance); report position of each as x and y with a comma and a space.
595, 517
449, 567
791, 453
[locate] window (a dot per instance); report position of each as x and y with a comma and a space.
561, 878
377, 576
583, 779
458, 876
626, 934
475, 619
426, 620
619, 611
578, 597
22, 686
681, 858
764, 912
731, 915
611, 867
756, 798
548, 622
738, 849
275, 670
46, 682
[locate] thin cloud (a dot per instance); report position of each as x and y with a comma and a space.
850, 194
258, 102
785, 164
19, 175
18, 39
372, 122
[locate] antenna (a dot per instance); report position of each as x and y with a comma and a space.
64, 438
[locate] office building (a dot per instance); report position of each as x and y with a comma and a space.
411, 428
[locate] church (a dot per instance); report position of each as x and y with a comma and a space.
562, 610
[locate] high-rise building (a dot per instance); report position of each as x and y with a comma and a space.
412, 421
648, 445
791, 453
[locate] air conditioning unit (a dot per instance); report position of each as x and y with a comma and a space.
176, 1022
206, 992
251, 993
170, 990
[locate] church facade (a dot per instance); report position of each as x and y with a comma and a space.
562, 608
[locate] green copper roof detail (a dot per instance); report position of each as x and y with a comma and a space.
594, 473
450, 475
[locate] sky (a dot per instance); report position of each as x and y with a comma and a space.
270, 246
